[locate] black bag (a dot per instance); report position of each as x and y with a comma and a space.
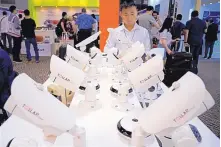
58, 29
62, 52
63, 48
177, 65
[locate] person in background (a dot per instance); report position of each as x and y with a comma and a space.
16, 40
20, 17
165, 35
61, 26
155, 31
211, 37
147, 21
157, 18
85, 24
4, 35
70, 27
75, 30
129, 32
28, 29
195, 29
95, 30
177, 30
6, 68
207, 23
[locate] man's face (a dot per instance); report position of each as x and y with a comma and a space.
155, 15
129, 15
15, 11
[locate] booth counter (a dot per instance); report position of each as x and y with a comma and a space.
101, 129
46, 43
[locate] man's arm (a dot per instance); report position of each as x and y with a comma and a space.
186, 31
186, 34
110, 42
147, 44
159, 21
154, 22
62, 26
17, 23
34, 24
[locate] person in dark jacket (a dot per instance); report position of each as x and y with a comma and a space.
211, 37
6, 68
177, 31
195, 29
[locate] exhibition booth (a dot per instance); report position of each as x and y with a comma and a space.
97, 100
103, 99
47, 14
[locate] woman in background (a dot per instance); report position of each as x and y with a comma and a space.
70, 27
61, 27
95, 30
165, 35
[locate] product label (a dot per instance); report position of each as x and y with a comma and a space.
131, 61
64, 78
146, 79
32, 111
183, 114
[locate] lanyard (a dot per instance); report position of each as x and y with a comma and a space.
132, 36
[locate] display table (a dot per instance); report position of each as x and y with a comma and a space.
56, 46
46, 43
100, 125
43, 49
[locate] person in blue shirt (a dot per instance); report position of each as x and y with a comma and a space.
85, 24
8, 75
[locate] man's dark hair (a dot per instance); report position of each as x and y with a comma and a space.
20, 16
4, 13
127, 4
83, 10
211, 20
12, 8
179, 17
64, 14
195, 13
93, 16
156, 12
167, 24
150, 8
27, 12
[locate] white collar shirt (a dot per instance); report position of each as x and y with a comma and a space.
3, 24
122, 39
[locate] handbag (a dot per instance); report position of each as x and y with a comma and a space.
12, 30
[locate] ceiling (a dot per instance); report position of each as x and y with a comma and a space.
209, 1
203, 1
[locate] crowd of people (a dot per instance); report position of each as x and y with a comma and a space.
78, 27
147, 28
14, 28
170, 35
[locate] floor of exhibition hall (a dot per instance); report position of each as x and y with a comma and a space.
209, 71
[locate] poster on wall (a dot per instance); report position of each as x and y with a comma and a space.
8, 12
171, 8
50, 16
215, 15
157, 8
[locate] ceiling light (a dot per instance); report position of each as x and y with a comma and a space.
211, 3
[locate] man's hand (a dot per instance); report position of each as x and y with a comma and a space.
186, 44
169, 52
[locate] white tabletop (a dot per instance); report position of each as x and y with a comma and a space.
100, 125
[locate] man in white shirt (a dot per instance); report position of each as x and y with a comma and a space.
4, 35
129, 32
